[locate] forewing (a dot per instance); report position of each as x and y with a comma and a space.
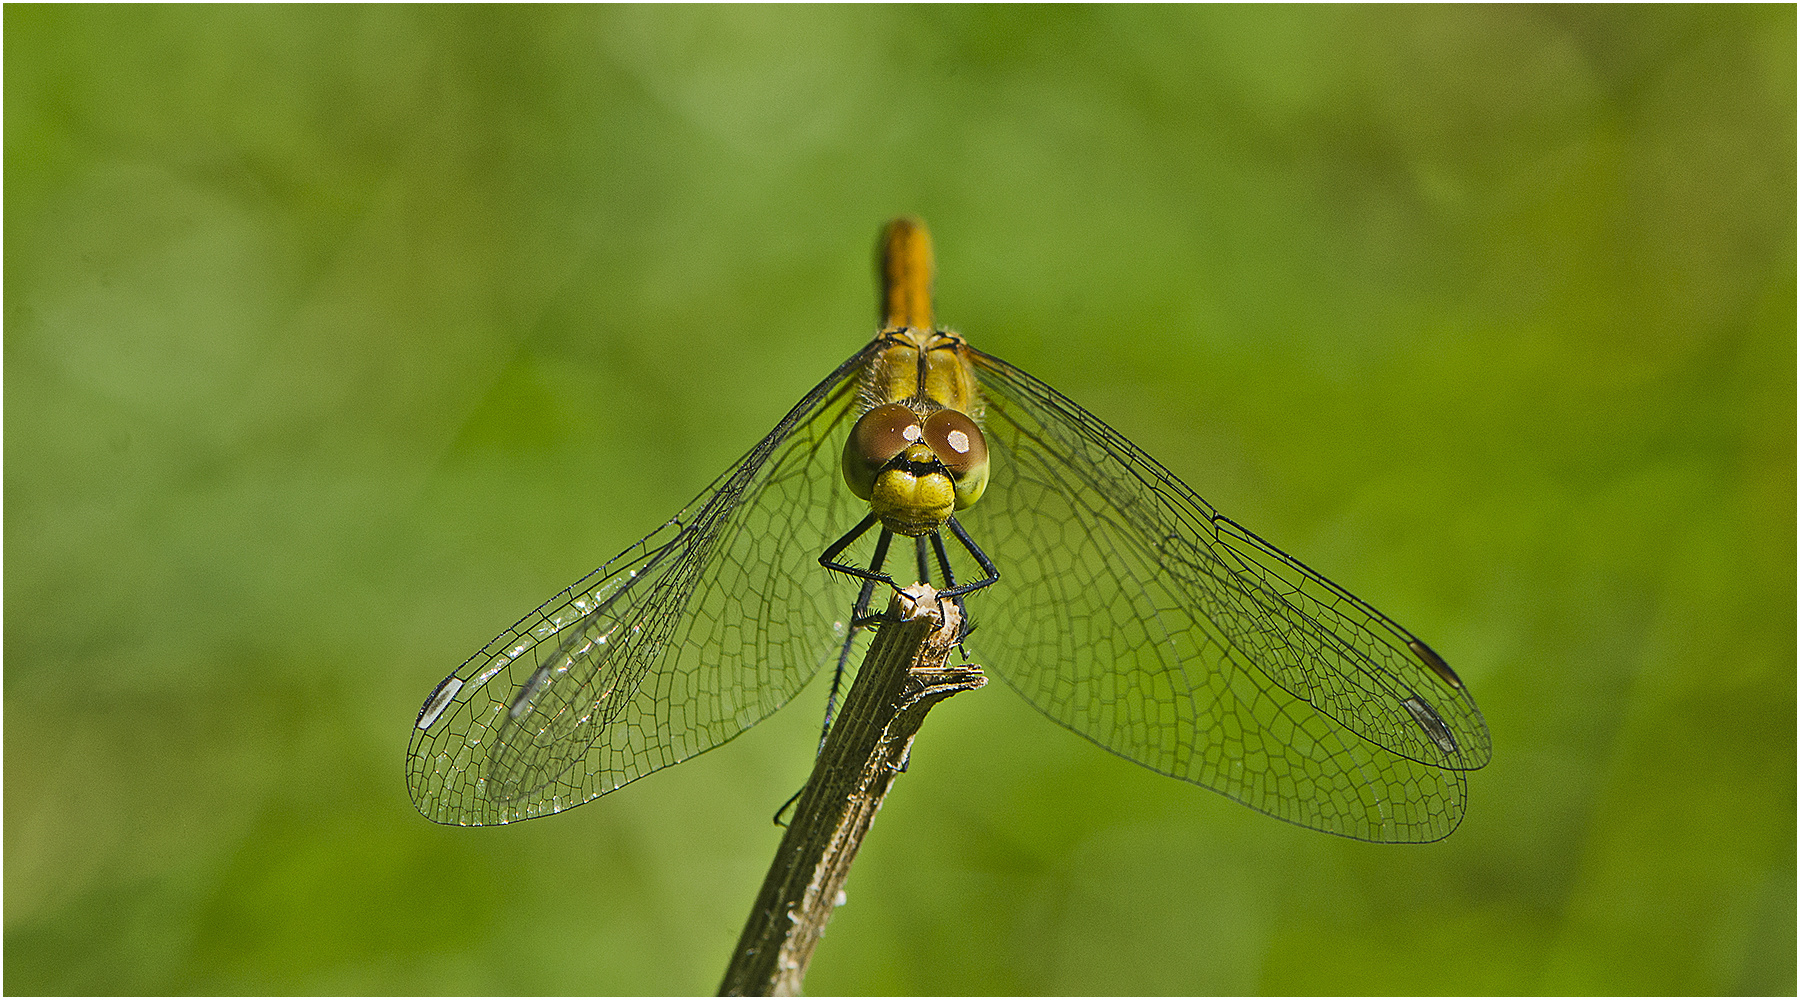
678, 644
1133, 613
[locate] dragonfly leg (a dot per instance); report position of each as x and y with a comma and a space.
781, 813
987, 565
943, 558
859, 615
828, 559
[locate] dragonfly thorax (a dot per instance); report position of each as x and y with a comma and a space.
915, 470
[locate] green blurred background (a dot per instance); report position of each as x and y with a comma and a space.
336, 340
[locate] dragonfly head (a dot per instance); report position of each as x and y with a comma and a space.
915, 471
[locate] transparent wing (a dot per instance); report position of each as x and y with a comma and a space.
680, 643
1133, 613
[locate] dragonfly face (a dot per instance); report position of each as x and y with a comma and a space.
915, 471
1112, 598
920, 458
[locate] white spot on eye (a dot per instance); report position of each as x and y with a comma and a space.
959, 440
912, 432
439, 700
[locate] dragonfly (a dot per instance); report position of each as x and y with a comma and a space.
1103, 590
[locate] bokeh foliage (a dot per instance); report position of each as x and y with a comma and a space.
336, 339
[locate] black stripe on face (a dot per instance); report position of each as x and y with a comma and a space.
919, 468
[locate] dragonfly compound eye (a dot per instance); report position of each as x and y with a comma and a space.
878, 436
958, 443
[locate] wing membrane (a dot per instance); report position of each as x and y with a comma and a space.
1128, 610
678, 644
1132, 612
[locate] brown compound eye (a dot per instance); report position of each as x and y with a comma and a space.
878, 436
959, 444
956, 440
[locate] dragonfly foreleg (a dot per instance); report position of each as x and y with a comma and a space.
943, 558
987, 565
828, 559
859, 614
